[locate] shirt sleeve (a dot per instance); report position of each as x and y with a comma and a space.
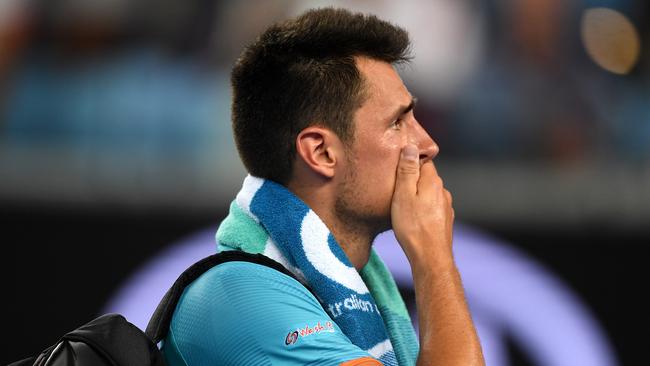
241, 313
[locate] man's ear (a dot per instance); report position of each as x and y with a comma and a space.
319, 149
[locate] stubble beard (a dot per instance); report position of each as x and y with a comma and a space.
354, 209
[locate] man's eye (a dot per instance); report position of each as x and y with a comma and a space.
396, 123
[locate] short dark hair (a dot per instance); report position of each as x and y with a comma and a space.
302, 72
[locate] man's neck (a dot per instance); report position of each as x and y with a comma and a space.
354, 238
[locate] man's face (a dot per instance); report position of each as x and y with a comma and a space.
383, 125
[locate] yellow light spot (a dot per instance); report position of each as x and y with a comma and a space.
610, 39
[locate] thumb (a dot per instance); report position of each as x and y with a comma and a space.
408, 171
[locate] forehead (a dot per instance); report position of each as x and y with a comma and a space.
384, 88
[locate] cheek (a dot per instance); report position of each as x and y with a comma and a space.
394, 140
381, 163
376, 162
384, 171
391, 150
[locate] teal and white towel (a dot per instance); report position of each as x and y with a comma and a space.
267, 218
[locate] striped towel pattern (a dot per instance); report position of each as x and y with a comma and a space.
267, 218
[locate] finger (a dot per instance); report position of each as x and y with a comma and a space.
428, 177
408, 171
449, 197
435, 170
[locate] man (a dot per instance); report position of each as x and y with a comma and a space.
325, 127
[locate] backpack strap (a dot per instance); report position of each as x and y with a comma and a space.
159, 323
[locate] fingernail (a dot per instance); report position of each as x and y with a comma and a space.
410, 152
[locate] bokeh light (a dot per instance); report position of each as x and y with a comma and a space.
610, 39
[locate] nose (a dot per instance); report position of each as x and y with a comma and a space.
428, 148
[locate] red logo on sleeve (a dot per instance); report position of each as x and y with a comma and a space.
293, 336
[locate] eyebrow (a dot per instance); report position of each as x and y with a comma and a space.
405, 109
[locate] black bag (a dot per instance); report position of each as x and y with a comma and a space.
107, 340
111, 340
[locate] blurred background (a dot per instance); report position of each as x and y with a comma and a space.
115, 148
